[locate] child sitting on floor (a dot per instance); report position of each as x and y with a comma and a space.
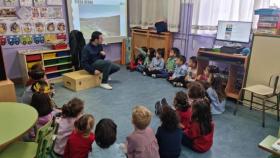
142, 143
170, 64
208, 73
147, 61
157, 64
177, 79
38, 86
192, 70
216, 94
35, 74
139, 59
169, 135
80, 141
199, 135
105, 140
70, 113
196, 91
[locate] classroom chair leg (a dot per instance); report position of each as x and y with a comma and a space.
236, 107
263, 113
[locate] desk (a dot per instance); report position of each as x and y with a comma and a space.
267, 143
234, 61
15, 120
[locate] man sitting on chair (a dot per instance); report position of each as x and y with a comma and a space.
93, 60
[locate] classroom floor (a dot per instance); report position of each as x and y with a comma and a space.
235, 136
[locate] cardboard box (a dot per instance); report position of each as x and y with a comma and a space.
81, 80
7, 91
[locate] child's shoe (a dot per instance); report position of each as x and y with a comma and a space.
158, 108
164, 102
175, 84
180, 84
154, 75
144, 73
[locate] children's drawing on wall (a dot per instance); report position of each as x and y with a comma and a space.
55, 13
39, 27
61, 26
50, 27
44, 12
54, 2
35, 12
26, 27
8, 13
26, 3
14, 27
3, 28
24, 13
11, 3
38, 3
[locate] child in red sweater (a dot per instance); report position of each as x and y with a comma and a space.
80, 141
199, 135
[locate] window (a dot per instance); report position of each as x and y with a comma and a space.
106, 16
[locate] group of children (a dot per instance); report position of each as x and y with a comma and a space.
150, 62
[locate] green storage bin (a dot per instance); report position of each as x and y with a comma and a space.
64, 60
50, 62
61, 67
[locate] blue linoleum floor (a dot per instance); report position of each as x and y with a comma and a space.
235, 136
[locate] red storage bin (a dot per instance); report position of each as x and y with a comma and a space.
51, 69
33, 57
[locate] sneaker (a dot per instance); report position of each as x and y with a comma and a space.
158, 108
164, 102
106, 86
154, 75
144, 73
175, 84
180, 85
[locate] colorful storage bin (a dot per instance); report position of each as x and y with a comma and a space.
53, 75
29, 65
61, 67
49, 55
51, 69
36, 57
50, 62
64, 60
60, 54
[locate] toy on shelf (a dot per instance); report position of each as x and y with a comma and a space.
38, 39
3, 40
61, 36
26, 39
13, 40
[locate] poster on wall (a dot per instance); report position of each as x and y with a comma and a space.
11, 3
8, 12
25, 3
44, 12
35, 13
14, 28
24, 13
60, 26
38, 3
54, 2
39, 27
55, 13
3, 28
26, 27
50, 27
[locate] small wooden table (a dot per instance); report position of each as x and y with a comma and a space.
16, 119
267, 143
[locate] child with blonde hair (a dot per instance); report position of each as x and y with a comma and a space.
142, 143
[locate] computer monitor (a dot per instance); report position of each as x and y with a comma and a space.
234, 31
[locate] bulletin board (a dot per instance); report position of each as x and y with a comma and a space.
31, 22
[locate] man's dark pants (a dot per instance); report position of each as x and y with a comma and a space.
106, 67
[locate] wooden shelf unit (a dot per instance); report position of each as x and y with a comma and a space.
234, 61
55, 63
151, 39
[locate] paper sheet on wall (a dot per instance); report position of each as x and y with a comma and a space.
54, 2
3, 28
35, 13
60, 26
24, 13
38, 3
55, 13
39, 26
50, 26
27, 27
25, 3
11, 3
44, 12
8, 12
14, 27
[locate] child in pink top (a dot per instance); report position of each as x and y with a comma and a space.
70, 113
142, 143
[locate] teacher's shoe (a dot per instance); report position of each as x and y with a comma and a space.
106, 86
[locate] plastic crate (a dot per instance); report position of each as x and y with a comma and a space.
64, 60
61, 67
50, 69
49, 55
60, 54
30, 58
29, 65
53, 75
50, 62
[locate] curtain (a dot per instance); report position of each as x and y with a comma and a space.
145, 13
207, 13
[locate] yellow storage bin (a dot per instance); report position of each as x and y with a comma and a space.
29, 65
49, 55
